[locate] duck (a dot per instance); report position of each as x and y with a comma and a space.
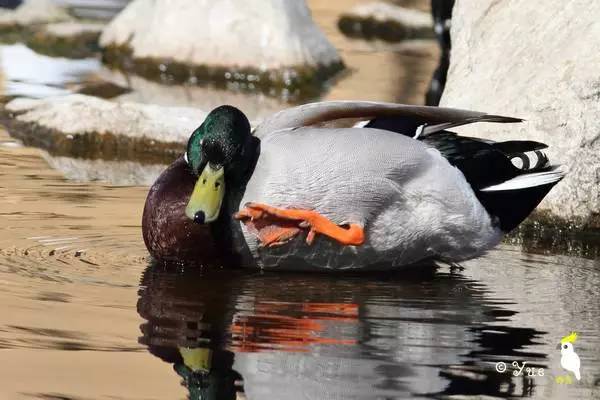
343, 185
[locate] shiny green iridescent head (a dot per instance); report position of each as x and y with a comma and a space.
216, 152
220, 140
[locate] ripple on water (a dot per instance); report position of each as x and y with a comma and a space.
71, 258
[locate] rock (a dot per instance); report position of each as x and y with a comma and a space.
32, 12
260, 44
387, 22
67, 39
538, 63
110, 123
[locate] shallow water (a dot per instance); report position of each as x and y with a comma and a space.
85, 315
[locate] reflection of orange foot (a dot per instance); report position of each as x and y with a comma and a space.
353, 235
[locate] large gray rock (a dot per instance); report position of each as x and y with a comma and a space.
539, 63
251, 41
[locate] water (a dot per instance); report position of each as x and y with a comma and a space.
86, 316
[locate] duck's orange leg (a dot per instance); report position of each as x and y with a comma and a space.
353, 235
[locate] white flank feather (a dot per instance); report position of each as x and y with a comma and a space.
361, 124
528, 180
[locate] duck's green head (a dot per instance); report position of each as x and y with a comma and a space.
217, 152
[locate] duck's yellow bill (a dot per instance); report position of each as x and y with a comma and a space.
207, 197
198, 360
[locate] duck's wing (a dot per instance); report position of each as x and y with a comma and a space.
509, 192
399, 118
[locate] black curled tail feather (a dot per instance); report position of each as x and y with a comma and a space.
509, 178
524, 154
530, 161
511, 207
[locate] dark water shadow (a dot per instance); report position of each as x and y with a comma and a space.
272, 336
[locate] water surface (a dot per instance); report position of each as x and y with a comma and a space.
86, 315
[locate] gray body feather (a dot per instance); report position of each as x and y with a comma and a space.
412, 203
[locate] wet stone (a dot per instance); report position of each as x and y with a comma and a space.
85, 126
545, 233
294, 84
386, 22
218, 43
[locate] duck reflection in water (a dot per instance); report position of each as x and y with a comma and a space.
233, 334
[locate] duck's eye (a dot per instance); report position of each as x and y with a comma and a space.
204, 181
217, 184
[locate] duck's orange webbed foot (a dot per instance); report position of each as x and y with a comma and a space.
352, 235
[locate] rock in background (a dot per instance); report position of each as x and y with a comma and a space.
386, 22
254, 43
539, 63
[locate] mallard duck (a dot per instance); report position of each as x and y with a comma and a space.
303, 192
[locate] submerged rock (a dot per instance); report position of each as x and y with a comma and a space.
88, 127
503, 61
260, 44
386, 22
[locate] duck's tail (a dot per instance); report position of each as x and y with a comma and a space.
526, 155
513, 200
